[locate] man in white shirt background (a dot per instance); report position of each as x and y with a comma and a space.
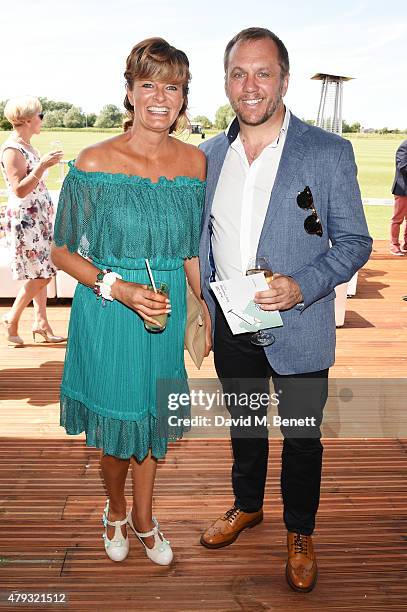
281, 189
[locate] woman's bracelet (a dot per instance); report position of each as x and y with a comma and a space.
103, 285
35, 176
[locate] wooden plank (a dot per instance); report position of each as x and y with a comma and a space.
359, 536
51, 496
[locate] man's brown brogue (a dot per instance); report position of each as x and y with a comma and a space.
226, 528
301, 569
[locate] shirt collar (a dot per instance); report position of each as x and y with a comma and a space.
233, 129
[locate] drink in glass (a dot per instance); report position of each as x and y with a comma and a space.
267, 273
163, 289
256, 265
56, 145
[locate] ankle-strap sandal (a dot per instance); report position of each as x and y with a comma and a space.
117, 548
161, 552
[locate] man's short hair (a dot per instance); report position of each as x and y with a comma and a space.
258, 34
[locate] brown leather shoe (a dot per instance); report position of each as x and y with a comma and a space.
301, 570
226, 528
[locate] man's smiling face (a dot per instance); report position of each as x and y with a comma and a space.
253, 82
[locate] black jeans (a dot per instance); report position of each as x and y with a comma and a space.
299, 395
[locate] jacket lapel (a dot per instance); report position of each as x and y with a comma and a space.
215, 163
291, 159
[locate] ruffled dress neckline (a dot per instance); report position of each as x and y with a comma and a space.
119, 177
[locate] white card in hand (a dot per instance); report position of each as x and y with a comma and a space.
235, 297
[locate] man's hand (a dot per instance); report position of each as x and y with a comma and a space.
284, 293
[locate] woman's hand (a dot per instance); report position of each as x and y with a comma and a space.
208, 329
208, 336
50, 159
142, 300
191, 267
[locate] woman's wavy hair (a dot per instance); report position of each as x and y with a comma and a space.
156, 60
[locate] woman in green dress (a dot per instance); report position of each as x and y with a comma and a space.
136, 196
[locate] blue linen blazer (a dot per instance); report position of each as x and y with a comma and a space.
325, 162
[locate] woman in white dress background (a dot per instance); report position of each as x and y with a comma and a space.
29, 217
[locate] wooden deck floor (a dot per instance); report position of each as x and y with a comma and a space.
51, 496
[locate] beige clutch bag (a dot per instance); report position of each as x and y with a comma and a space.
195, 328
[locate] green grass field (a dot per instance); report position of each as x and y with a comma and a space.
72, 143
374, 156
378, 220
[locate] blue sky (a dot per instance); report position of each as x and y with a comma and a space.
76, 50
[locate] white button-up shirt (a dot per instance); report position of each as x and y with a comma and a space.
240, 204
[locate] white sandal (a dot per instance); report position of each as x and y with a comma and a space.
161, 552
116, 549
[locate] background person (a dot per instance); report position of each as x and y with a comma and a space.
134, 196
29, 216
282, 189
400, 203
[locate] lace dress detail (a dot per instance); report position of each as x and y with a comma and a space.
28, 224
117, 375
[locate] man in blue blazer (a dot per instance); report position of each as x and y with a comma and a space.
287, 191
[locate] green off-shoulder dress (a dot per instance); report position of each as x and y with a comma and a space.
113, 365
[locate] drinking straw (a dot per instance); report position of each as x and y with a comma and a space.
150, 274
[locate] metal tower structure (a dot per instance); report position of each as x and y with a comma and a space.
330, 104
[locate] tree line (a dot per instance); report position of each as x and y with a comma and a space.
225, 114
64, 114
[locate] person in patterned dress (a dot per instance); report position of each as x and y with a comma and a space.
136, 196
29, 215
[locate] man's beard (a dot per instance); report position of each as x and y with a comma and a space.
269, 112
